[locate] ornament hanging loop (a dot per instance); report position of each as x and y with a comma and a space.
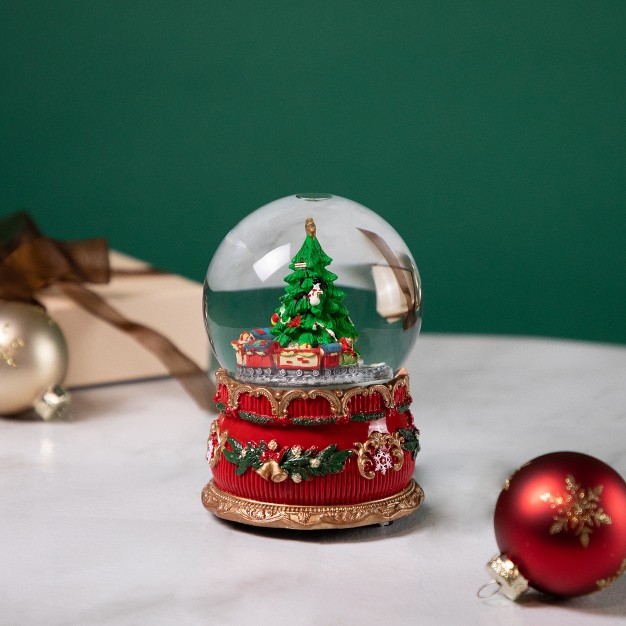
488, 590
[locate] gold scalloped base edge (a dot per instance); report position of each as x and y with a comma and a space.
301, 517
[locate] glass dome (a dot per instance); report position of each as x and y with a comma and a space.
312, 289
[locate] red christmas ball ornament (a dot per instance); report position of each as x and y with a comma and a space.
560, 524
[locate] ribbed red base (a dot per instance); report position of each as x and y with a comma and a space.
346, 487
314, 419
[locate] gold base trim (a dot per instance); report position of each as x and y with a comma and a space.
300, 517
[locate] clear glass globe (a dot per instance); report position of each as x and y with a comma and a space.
278, 311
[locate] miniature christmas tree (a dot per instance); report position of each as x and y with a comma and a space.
312, 313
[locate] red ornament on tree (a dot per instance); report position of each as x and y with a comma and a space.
560, 525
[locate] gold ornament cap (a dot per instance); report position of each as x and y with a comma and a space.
52, 403
507, 576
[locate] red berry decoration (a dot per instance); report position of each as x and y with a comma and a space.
560, 525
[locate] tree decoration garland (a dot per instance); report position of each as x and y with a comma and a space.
401, 408
277, 465
380, 453
306, 464
367, 417
317, 421
255, 418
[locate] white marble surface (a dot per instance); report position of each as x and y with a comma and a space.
101, 520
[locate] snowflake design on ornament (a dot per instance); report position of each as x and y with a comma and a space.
383, 460
381, 452
578, 511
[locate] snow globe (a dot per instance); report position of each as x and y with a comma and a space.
311, 304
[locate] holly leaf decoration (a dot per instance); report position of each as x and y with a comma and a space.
244, 457
236, 447
306, 464
298, 463
331, 461
411, 440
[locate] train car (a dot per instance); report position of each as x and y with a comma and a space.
255, 348
299, 359
307, 359
331, 355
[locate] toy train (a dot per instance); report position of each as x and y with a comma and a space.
258, 349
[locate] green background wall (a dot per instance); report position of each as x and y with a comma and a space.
490, 134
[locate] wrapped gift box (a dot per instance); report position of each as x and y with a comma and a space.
100, 353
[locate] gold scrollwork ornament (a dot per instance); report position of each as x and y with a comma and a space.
380, 452
337, 398
218, 440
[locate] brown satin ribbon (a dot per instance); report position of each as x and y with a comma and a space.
412, 301
29, 261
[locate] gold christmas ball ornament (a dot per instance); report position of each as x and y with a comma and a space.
33, 361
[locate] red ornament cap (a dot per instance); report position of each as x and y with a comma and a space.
560, 522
